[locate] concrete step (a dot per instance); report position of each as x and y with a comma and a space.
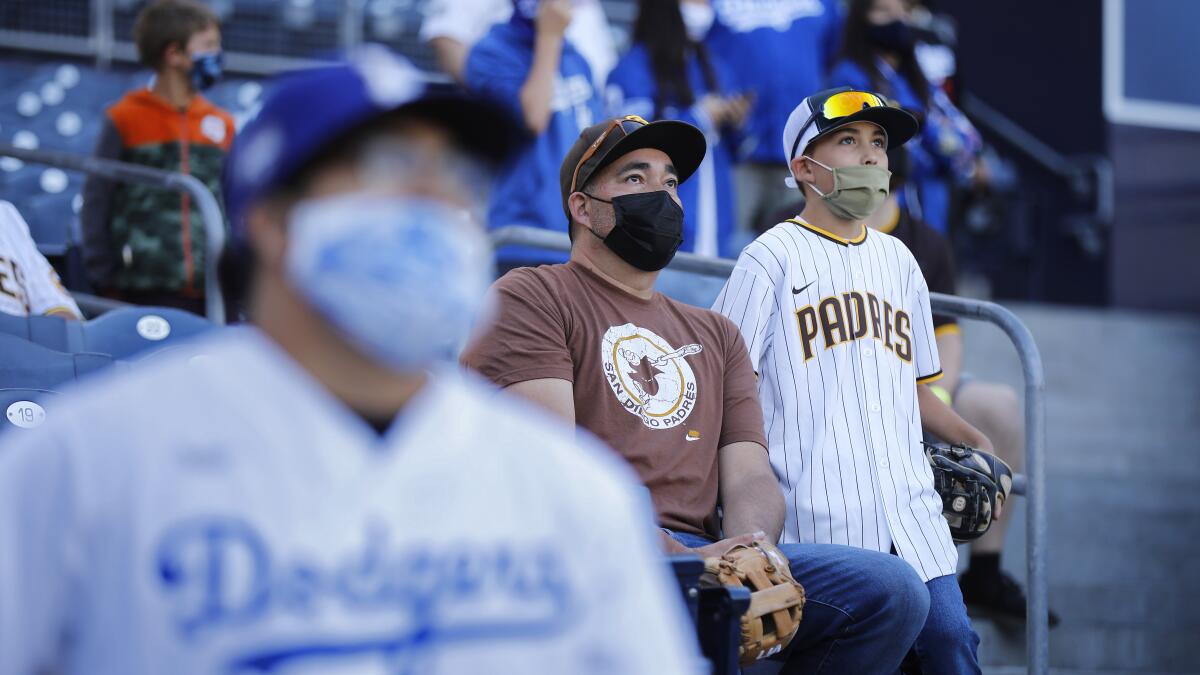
1123, 472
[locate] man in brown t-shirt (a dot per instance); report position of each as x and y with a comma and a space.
670, 387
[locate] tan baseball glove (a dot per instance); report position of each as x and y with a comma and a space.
776, 599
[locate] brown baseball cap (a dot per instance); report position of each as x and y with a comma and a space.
601, 144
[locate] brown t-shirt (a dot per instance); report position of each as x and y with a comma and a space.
664, 383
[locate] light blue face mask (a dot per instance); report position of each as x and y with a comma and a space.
404, 279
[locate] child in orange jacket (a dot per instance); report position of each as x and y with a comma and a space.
144, 244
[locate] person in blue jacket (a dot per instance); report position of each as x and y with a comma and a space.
668, 73
528, 66
878, 54
778, 51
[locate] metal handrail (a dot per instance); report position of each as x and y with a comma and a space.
1032, 484
206, 203
1074, 170
1037, 630
520, 235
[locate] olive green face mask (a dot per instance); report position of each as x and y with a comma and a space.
857, 190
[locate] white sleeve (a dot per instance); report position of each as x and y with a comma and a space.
748, 299
638, 622
37, 534
463, 20
43, 289
926, 362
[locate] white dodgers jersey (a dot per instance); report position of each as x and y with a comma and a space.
840, 333
222, 513
28, 284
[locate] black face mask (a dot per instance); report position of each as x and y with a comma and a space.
896, 36
648, 229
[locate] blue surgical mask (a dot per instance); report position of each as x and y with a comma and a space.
404, 279
207, 70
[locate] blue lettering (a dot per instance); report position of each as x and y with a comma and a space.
217, 569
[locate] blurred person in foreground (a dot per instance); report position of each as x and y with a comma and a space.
326, 491
144, 244
528, 66
878, 53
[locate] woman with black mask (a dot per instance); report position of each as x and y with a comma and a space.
879, 54
669, 74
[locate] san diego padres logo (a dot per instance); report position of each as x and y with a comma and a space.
651, 379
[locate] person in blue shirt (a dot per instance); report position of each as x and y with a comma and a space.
878, 54
668, 73
777, 50
528, 66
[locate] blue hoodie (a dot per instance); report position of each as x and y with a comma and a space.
780, 51
527, 191
708, 195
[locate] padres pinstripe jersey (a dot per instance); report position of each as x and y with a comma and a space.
840, 333
28, 284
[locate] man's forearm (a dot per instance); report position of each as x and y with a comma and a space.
757, 506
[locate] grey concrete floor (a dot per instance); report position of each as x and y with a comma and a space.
1123, 479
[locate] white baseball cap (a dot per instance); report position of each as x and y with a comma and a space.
825, 111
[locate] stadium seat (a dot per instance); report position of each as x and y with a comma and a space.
50, 218
20, 183
51, 332
24, 408
134, 332
715, 611
24, 364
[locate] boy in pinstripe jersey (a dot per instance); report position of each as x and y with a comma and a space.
837, 321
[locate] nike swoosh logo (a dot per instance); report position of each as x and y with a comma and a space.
690, 439
800, 290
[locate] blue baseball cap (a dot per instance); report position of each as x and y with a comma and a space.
306, 110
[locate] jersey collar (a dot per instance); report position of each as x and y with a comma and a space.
862, 236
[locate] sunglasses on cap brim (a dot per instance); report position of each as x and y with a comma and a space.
837, 106
628, 124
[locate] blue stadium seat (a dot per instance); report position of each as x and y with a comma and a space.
134, 332
19, 185
25, 408
50, 218
24, 364
13, 72
51, 332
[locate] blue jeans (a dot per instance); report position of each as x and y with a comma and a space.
947, 643
863, 610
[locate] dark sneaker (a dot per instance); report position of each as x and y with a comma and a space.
997, 597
